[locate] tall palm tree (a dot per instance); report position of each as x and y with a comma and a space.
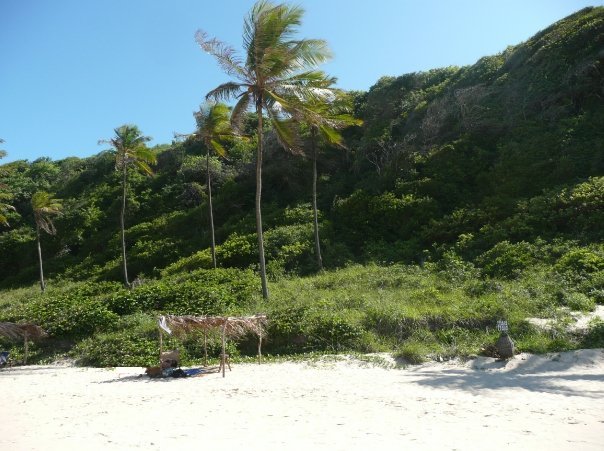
276, 77
45, 206
130, 150
324, 120
213, 129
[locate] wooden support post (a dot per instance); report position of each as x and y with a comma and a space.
205, 347
161, 345
223, 355
26, 348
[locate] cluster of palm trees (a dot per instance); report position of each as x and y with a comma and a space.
278, 77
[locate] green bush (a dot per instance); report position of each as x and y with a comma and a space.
595, 335
578, 301
337, 331
69, 315
117, 349
580, 262
202, 292
507, 260
413, 352
199, 260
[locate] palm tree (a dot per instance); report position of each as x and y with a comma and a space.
277, 77
213, 129
130, 150
44, 206
325, 119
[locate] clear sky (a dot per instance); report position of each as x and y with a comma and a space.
73, 70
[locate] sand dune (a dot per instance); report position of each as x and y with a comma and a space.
553, 402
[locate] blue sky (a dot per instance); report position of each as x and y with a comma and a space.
71, 70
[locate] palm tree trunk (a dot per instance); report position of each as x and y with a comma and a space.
258, 199
209, 181
313, 138
122, 223
42, 284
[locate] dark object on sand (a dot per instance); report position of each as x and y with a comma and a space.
505, 346
153, 371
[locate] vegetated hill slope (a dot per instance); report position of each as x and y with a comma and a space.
509, 149
491, 177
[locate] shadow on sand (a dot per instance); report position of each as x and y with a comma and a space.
143, 378
555, 374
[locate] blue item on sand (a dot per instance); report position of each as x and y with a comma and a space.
194, 371
3, 358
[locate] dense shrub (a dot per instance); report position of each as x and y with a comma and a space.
595, 335
69, 315
117, 349
507, 260
203, 292
580, 262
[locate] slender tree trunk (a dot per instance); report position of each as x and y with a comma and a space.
258, 203
313, 138
42, 284
209, 181
122, 222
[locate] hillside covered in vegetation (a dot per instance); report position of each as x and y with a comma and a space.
468, 194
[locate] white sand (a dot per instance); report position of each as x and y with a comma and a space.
553, 402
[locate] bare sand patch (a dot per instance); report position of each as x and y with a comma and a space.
553, 402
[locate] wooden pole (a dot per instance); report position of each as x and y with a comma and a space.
26, 348
205, 347
223, 355
161, 345
259, 346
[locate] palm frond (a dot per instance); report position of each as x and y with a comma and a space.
331, 135
237, 115
226, 91
218, 148
286, 132
309, 52
225, 55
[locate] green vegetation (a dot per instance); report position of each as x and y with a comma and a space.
467, 195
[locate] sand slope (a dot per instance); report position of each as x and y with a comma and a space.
553, 402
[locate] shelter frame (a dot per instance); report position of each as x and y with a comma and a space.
229, 327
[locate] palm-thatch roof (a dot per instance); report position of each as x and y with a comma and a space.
230, 326
14, 331
234, 326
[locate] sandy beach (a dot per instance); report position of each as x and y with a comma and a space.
552, 402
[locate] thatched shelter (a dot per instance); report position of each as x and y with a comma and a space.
23, 332
229, 326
